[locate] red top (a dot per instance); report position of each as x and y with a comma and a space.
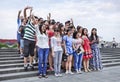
50, 34
86, 45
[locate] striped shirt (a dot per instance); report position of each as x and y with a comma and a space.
29, 32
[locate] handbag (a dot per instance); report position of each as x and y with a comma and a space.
80, 50
64, 57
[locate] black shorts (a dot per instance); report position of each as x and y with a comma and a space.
29, 48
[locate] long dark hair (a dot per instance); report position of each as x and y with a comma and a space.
83, 32
40, 29
79, 27
74, 34
92, 35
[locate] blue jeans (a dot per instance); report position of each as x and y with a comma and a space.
57, 61
43, 57
78, 61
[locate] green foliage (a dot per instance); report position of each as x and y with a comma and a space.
3, 45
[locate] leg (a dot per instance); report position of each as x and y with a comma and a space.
59, 61
76, 61
84, 64
87, 64
50, 61
40, 57
26, 53
31, 48
66, 65
80, 62
70, 63
55, 62
45, 58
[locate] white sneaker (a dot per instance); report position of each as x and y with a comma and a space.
34, 61
77, 71
56, 75
70, 72
80, 71
66, 72
60, 75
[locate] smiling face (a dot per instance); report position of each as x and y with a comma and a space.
43, 28
56, 32
94, 31
85, 31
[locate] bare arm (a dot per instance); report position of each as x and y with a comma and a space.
19, 14
25, 12
49, 17
71, 21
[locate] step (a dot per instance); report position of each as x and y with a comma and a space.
14, 70
18, 75
110, 60
8, 50
111, 52
11, 65
104, 58
10, 58
110, 55
111, 64
10, 55
7, 53
11, 61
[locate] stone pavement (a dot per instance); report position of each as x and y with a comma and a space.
111, 74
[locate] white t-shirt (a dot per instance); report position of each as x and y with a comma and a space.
42, 39
77, 42
56, 43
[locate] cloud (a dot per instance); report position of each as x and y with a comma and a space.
102, 14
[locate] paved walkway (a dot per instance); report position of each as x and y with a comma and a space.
111, 74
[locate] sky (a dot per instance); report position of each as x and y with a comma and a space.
101, 14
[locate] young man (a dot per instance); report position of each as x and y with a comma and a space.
29, 38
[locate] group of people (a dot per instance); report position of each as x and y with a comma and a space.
57, 44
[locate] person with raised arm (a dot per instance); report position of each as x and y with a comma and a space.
43, 49
29, 39
19, 18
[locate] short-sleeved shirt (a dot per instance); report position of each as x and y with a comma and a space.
77, 43
56, 43
68, 42
29, 32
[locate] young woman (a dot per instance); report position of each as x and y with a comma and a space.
79, 30
57, 51
43, 50
68, 42
96, 60
87, 50
78, 51
50, 33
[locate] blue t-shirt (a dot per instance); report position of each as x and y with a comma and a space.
68, 43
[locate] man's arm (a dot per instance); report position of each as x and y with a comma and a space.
25, 12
